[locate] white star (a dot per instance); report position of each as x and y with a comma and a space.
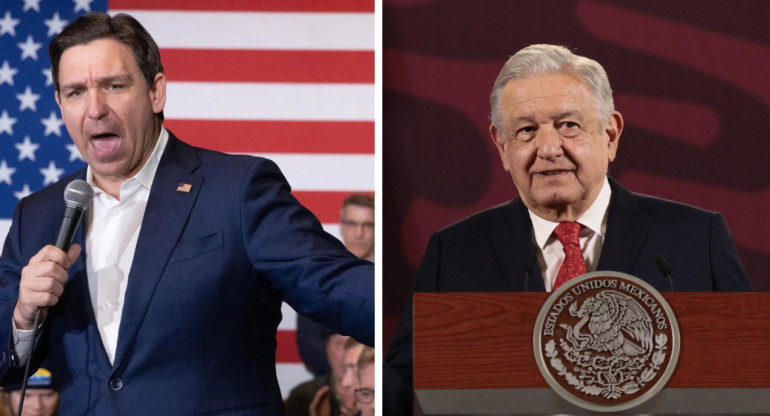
6, 172
6, 123
82, 5
74, 152
52, 124
55, 24
31, 4
23, 193
51, 174
27, 149
29, 48
7, 73
48, 77
27, 100
8, 24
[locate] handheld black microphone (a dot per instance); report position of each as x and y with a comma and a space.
78, 196
663, 265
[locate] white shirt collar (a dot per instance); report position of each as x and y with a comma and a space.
594, 219
146, 175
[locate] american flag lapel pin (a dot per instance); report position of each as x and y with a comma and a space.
184, 187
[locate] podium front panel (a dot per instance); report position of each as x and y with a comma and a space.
473, 355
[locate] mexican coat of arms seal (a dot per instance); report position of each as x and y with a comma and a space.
606, 341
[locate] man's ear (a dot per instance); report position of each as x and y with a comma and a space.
158, 93
613, 129
499, 142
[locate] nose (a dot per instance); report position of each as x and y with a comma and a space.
33, 403
549, 143
97, 105
348, 378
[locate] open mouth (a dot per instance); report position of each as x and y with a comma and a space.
105, 143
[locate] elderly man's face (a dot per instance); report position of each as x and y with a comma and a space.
554, 145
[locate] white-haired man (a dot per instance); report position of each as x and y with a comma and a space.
556, 129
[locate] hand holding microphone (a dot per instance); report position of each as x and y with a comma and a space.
43, 279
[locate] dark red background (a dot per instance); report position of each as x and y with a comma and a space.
691, 78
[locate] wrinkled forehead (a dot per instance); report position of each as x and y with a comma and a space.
546, 97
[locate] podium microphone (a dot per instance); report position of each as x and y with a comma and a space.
528, 271
78, 196
663, 265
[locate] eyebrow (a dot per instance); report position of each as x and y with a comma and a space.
565, 114
100, 81
571, 113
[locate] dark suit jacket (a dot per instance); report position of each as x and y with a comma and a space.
204, 293
493, 251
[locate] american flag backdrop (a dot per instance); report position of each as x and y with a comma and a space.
292, 80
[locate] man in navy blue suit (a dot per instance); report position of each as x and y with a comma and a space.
556, 129
168, 301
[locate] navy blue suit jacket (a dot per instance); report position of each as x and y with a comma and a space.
493, 251
204, 293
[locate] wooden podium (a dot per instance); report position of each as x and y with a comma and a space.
473, 355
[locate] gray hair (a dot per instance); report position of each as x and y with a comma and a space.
542, 59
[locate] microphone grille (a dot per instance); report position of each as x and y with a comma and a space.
78, 194
662, 264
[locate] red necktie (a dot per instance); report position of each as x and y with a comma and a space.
573, 265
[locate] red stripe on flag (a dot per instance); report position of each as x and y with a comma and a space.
353, 67
324, 205
345, 137
286, 349
248, 5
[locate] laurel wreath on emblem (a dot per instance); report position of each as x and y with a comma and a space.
617, 355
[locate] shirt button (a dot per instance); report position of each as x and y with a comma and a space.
116, 384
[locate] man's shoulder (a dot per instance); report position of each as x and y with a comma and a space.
482, 221
662, 207
657, 212
218, 161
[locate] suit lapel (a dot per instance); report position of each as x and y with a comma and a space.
512, 241
626, 231
164, 219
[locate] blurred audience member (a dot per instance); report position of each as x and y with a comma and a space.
357, 225
322, 388
349, 382
365, 391
41, 398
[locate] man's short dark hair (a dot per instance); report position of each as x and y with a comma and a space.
122, 28
360, 200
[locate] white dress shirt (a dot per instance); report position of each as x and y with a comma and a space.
550, 253
112, 230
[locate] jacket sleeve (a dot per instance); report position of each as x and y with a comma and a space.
728, 273
11, 263
312, 270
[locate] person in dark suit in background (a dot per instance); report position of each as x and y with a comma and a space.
188, 253
556, 130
